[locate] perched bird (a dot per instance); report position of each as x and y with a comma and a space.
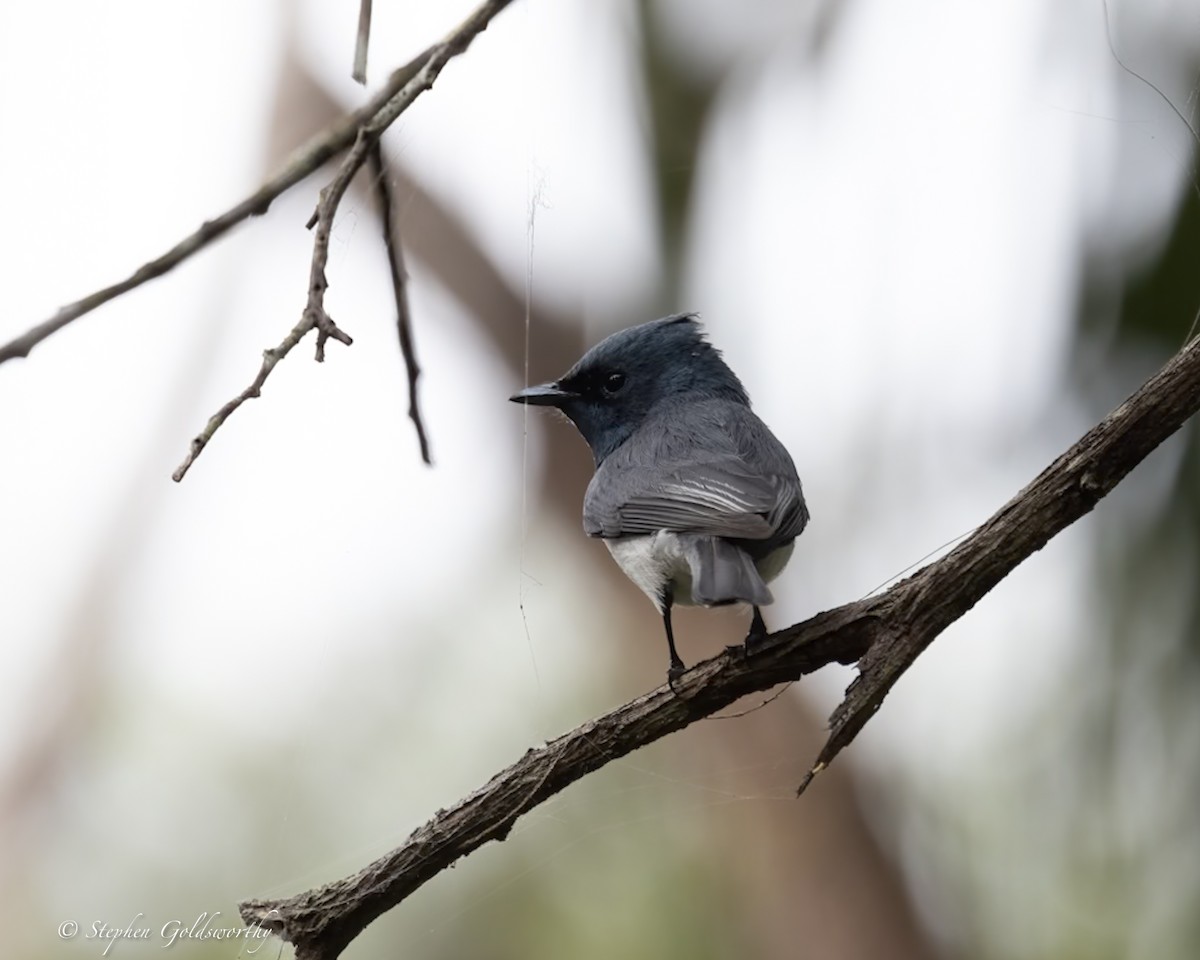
696, 499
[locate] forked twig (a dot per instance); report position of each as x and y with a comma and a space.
315, 315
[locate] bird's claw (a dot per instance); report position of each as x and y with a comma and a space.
757, 633
753, 642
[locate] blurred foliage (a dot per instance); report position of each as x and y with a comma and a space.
1086, 843
1142, 721
1114, 768
1160, 303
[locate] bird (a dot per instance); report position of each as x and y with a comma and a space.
694, 496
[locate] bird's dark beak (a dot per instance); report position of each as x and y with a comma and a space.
544, 395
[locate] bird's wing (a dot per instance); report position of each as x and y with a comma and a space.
716, 472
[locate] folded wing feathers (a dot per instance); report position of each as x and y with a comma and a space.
720, 495
708, 504
746, 488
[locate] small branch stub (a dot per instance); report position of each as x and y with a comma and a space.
363, 39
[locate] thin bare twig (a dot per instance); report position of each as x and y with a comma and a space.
308, 158
885, 634
314, 315
395, 252
271, 356
359, 72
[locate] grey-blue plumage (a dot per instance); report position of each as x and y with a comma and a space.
696, 499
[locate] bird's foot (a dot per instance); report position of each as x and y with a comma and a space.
757, 633
674, 672
752, 644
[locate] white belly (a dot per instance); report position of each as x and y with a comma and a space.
652, 561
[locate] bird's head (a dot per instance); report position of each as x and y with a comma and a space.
616, 384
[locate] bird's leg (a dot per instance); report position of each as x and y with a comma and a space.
675, 670
758, 630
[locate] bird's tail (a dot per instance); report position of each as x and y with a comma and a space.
723, 572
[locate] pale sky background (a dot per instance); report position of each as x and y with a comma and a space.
888, 249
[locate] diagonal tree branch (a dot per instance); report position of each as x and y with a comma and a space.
306, 160
314, 315
929, 601
885, 634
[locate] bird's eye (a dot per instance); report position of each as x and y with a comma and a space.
614, 382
